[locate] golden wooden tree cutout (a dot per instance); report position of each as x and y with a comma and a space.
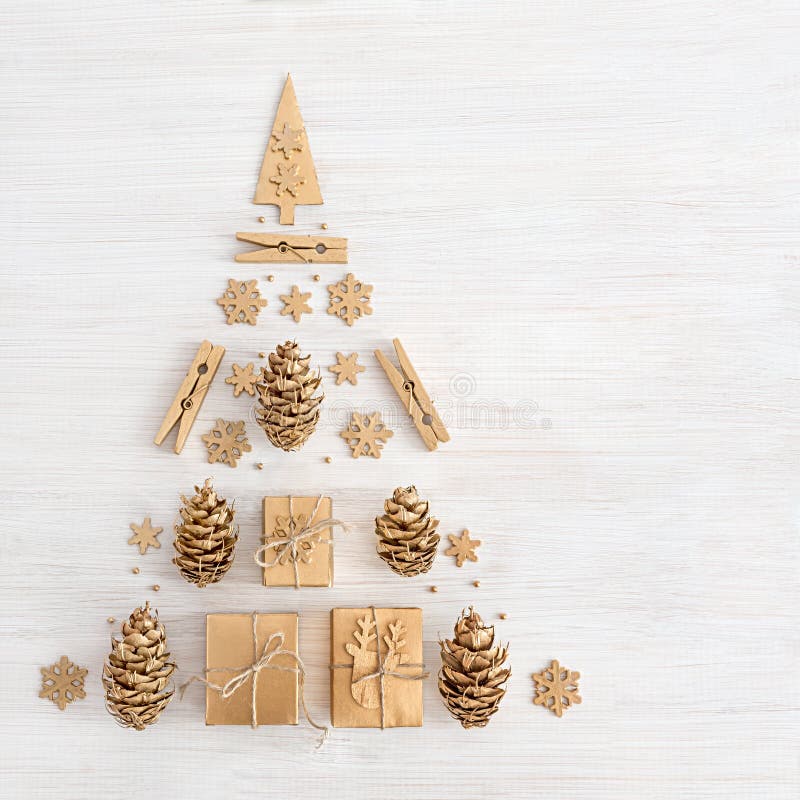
288, 177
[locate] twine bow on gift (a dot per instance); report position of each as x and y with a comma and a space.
273, 647
381, 673
287, 547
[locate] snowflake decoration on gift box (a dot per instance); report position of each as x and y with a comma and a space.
63, 682
288, 179
556, 688
227, 442
288, 140
242, 301
366, 435
350, 299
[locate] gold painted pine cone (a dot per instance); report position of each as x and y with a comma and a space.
137, 673
472, 679
287, 409
205, 538
407, 538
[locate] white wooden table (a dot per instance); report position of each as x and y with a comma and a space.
581, 219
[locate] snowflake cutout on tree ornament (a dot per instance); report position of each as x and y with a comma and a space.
366, 435
243, 380
227, 442
463, 547
556, 688
296, 304
288, 140
346, 368
145, 535
350, 299
288, 179
63, 682
242, 301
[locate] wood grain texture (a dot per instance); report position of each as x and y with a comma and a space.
582, 221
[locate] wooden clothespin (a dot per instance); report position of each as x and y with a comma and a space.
410, 390
277, 248
190, 396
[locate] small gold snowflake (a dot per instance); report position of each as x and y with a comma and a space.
242, 301
227, 442
243, 380
295, 304
288, 140
63, 682
145, 535
288, 179
350, 299
366, 435
285, 529
463, 547
346, 368
556, 688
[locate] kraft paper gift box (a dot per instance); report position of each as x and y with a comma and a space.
234, 644
310, 562
376, 682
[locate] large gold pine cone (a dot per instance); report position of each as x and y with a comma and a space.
205, 538
407, 537
472, 679
287, 409
136, 676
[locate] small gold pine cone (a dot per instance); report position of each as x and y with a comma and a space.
137, 673
472, 679
287, 409
205, 538
407, 538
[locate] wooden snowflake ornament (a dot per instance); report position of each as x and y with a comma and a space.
349, 299
296, 304
366, 435
346, 368
227, 442
145, 535
463, 548
242, 301
556, 688
63, 682
243, 380
288, 177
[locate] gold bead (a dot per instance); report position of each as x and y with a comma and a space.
259, 465
476, 584
317, 277
324, 226
111, 619
270, 278
135, 570
262, 355
328, 459
504, 616
434, 588
262, 219
156, 587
